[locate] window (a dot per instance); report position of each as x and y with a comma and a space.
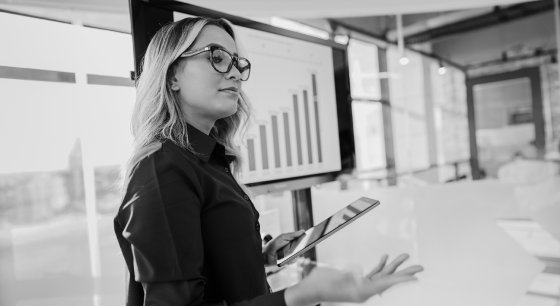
65, 108
366, 108
364, 70
369, 135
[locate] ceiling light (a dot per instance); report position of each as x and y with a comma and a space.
298, 27
404, 60
442, 69
400, 43
341, 39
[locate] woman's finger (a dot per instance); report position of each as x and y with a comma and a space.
292, 235
289, 248
410, 270
284, 239
379, 267
392, 267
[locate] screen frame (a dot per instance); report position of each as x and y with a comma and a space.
373, 204
147, 17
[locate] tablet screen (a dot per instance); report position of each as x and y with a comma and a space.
326, 228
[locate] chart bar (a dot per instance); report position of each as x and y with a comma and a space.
264, 147
288, 141
275, 141
251, 145
298, 130
307, 127
317, 126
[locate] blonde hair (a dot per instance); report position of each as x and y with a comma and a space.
157, 113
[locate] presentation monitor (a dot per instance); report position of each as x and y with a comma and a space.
300, 133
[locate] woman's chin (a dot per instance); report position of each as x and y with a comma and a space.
232, 109
224, 107
228, 112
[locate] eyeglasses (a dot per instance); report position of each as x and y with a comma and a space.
222, 61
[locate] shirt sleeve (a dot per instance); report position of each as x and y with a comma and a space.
162, 218
163, 226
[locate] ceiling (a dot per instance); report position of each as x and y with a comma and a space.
283, 8
341, 8
429, 27
423, 20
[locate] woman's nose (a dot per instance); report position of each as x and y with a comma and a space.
234, 72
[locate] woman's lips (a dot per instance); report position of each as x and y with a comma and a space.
230, 91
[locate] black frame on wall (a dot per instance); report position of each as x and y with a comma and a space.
147, 17
533, 73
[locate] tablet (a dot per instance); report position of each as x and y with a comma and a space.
326, 228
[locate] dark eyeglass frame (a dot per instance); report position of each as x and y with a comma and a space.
234, 59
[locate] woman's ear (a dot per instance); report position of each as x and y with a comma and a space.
174, 84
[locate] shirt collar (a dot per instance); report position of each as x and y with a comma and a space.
205, 145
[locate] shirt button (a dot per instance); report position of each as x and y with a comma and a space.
258, 227
227, 170
246, 197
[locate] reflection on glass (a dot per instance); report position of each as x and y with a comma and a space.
330, 225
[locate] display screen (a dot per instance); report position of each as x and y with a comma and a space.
294, 131
318, 233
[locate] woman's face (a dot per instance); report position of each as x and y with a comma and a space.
201, 89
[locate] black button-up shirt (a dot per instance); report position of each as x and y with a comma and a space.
188, 232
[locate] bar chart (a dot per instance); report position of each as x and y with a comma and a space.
306, 129
291, 90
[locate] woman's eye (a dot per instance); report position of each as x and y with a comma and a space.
217, 59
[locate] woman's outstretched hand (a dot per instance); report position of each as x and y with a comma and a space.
280, 246
331, 285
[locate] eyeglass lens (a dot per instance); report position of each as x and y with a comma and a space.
221, 60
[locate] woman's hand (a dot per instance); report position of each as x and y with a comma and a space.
331, 285
280, 246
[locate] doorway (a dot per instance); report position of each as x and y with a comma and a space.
505, 120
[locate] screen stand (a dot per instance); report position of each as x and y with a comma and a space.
303, 219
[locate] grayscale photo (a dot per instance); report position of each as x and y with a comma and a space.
280, 152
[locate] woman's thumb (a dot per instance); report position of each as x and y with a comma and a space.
296, 234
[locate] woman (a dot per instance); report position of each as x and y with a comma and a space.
188, 231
